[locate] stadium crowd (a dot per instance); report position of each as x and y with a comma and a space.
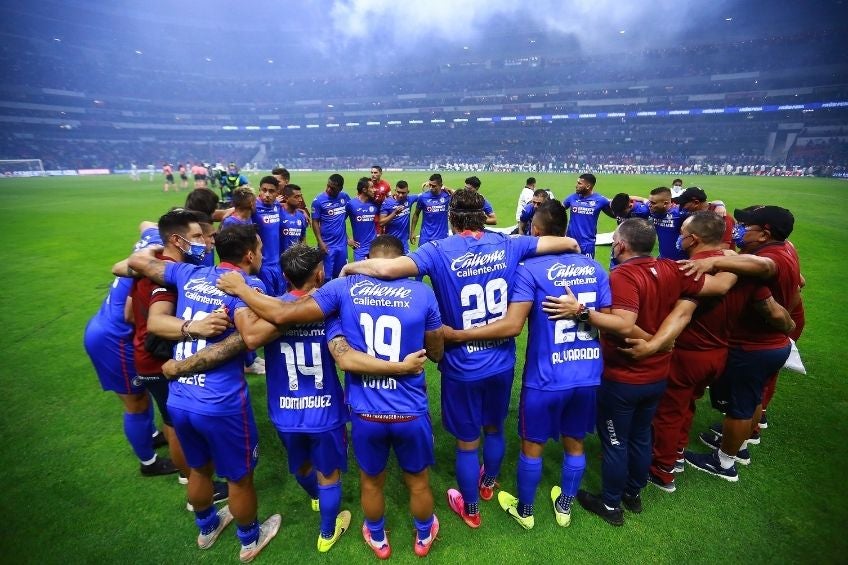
622, 353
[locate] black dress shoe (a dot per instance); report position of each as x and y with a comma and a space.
595, 505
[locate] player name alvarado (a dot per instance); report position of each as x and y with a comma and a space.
369, 293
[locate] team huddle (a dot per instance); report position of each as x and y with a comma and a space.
624, 353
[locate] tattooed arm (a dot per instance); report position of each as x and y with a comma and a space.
207, 358
349, 359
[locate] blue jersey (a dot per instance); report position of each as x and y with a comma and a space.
111, 313
487, 207
399, 225
304, 393
668, 228
363, 226
639, 210
150, 236
267, 221
562, 354
331, 213
292, 227
221, 391
527, 214
434, 211
471, 277
231, 221
583, 212
386, 319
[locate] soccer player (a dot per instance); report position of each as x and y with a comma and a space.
584, 207
199, 172
244, 204
524, 197
624, 207
434, 205
211, 411
694, 199
474, 183
666, 218
293, 220
390, 320
539, 196
134, 172
181, 168
644, 292
394, 213
267, 221
382, 190
562, 370
328, 224
757, 349
168, 171
471, 273
364, 214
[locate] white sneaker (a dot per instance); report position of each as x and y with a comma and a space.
258, 367
205, 541
267, 531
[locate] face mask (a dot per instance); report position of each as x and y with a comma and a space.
195, 252
738, 235
679, 243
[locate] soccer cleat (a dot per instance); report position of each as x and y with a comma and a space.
316, 506
257, 368
421, 548
382, 549
487, 491
182, 479
716, 429
595, 505
658, 482
763, 421
220, 493
161, 466
562, 518
679, 465
632, 502
267, 531
510, 505
709, 463
342, 525
205, 541
159, 440
743, 456
457, 504
755, 438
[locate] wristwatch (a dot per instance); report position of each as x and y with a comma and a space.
583, 314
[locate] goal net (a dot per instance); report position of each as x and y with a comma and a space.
21, 168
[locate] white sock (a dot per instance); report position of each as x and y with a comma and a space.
726, 460
426, 540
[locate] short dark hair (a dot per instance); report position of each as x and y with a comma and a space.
378, 167
436, 177
202, 200
268, 179
402, 184
299, 262
550, 218
466, 210
233, 242
473, 181
707, 225
289, 189
661, 190
242, 197
542, 192
619, 203
676, 181
175, 221
362, 184
639, 234
336, 178
530, 180
386, 246
589, 177
282, 171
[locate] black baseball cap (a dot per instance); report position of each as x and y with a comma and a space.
691, 193
779, 221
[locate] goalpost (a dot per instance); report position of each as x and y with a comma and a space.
21, 168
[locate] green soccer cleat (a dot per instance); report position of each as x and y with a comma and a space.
316, 506
342, 525
562, 518
510, 505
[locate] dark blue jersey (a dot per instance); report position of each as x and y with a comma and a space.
583, 212
363, 226
331, 213
434, 216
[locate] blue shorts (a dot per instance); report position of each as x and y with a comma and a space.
587, 248
335, 259
412, 442
467, 406
550, 414
272, 278
739, 390
112, 358
231, 443
327, 451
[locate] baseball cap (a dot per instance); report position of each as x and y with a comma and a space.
691, 193
779, 221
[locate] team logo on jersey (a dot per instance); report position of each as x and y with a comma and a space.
566, 271
376, 289
201, 290
271, 219
470, 260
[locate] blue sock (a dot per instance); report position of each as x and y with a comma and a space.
529, 476
467, 475
249, 358
152, 417
309, 483
248, 534
207, 520
423, 526
494, 448
573, 467
376, 528
330, 499
137, 430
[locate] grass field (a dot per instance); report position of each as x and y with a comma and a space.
74, 493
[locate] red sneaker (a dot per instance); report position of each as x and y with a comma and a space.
421, 548
383, 551
457, 504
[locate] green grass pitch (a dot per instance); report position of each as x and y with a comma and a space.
73, 492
